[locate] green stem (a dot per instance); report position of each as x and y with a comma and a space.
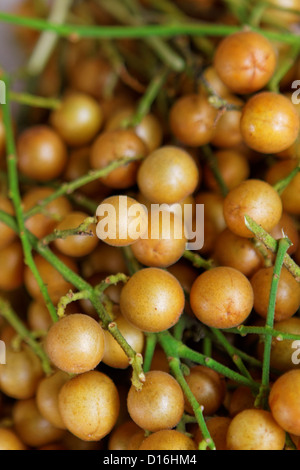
175, 367
151, 342
69, 298
288, 61
207, 346
47, 41
111, 280
261, 400
135, 359
197, 260
14, 194
244, 330
212, 162
272, 245
81, 230
96, 301
175, 348
13, 319
69, 188
149, 96
140, 31
131, 262
34, 101
83, 286
282, 184
231, 351
162, 49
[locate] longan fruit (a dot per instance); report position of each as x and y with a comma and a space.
207, 387
165, 242
32, 428
89, 404
152, 300
159, 404
75, 343
168, 175
22, 367
9, 440
287, 297
42, 154
114, 356
284, 401
47, 397
111, 146
168, 439
76, 245
255, 429
245, 61
221, 297
78, 119
255, 198
269, 122
192, 120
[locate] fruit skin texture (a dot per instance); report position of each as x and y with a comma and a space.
168, 439
221, 297
269, 123
159, 404
207, 387
167, 175
291, 194
284, 401
75, 343
255, 429
254, 198
22, 367
78, 119
42, 154
152, 300
217, 427
111, 146
282, 351
47, 397
32, 428
237, 252
114, 356
167, 244
245, 61
287, 297
89, 405
76, 245
192, 120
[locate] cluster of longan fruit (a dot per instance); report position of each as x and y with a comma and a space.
224, 125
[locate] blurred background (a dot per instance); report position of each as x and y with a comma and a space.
11, 55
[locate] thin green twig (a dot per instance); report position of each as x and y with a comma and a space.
140, 31
14, 194
262, 397
70, 187
13, 319
272, 245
